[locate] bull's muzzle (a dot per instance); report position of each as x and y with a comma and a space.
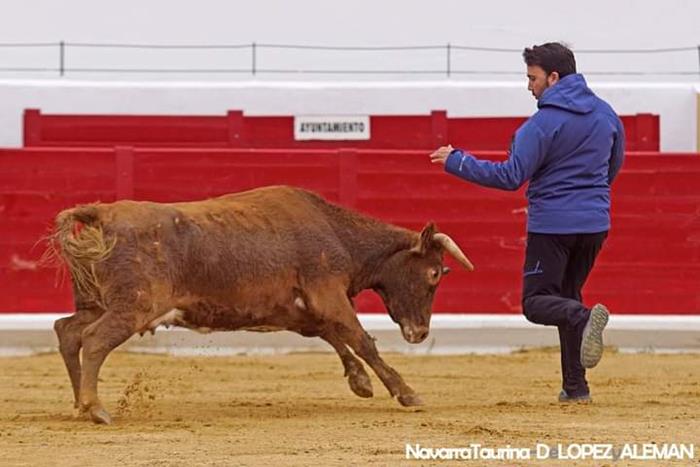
415, 334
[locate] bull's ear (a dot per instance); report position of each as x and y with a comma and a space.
426, 237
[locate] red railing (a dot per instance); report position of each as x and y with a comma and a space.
236, 130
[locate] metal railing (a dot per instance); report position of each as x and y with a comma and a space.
62, 68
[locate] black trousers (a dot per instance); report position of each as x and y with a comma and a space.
556, 268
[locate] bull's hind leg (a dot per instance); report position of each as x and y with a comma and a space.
69, 330
99, 339
358, 379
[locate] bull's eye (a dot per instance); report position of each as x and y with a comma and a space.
433, 275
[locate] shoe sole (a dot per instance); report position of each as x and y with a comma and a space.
566, 399
576, 401
592, 340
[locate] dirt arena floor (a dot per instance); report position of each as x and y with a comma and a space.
298, 410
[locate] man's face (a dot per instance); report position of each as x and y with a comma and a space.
538, 80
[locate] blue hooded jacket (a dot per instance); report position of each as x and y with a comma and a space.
570, 151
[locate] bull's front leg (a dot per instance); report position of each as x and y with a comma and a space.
358, 379
363, 345
330, 302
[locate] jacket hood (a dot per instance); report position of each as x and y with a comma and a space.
570, 93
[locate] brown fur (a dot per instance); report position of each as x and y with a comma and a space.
272, 258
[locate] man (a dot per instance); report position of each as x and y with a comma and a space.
570, 151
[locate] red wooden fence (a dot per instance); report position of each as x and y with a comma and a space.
651, 263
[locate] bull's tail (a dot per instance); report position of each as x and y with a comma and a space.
78, 241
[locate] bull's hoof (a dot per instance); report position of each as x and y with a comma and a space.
410, 400
100, 416
360, 384
79, 411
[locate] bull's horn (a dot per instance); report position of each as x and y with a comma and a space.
452, 248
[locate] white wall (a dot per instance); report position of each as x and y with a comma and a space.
513, 24
676, 103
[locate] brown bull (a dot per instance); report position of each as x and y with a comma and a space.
276, 258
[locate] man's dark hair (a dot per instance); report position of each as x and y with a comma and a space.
551, 57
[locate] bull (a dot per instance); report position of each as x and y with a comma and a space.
273, 258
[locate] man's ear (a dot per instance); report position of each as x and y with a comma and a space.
553, 78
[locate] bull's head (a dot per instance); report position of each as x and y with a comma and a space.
408, 279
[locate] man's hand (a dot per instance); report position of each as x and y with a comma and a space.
440, 155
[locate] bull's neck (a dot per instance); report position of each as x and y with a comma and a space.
370, 246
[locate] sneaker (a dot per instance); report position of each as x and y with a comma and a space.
566, 398
592, 339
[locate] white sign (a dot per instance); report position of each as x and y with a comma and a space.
331, 128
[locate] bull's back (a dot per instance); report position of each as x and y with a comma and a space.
225, 243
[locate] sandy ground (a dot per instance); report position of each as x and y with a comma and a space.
297, 409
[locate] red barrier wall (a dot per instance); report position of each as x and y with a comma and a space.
651, 263
238, 131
